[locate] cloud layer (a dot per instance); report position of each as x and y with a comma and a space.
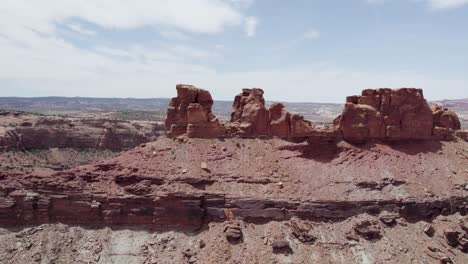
62, 47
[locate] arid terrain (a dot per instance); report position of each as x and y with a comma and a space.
385, 180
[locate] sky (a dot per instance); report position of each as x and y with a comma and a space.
296, 50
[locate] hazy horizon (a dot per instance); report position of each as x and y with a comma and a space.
301, 51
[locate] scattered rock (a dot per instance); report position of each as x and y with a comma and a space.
368, 230
352, 236
445, 259
302, 232
281, 246
201, 243
37, 257
451, 235
428, 230
389, 219
204, 166
233, 232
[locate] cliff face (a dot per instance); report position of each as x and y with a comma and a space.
21, 131
400, 114
279, 199
171, 185
240, 191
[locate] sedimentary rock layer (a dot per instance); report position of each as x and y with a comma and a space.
395, 114
191, 212
169, 185
22, 131
190, 113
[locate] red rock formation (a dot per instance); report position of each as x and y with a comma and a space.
445, 118
384, 114
250, 118
300, 127
279, 120
190, 113
387, 114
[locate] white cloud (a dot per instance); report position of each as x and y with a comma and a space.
432, 4
33, 51
201, 16
242, 3
81, 30
251, 24
174, 35
446, 4
311, 34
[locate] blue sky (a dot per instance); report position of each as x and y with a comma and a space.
299, 50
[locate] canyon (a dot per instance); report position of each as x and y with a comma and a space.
386, 182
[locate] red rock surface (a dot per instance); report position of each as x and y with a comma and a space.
250, 118
190, 113
162, 185
306, 196
445, 118
398, 114
377, 114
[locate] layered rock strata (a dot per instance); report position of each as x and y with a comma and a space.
387, 114
22, 131
394, 114
190, 212
383, 114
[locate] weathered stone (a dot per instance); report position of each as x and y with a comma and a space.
428, 230
281, 246
445, 118
233, 232
279, 120
398, 114
204, 167
250, 118
451, 235
368, 230
190, 113
300, 127
388, 219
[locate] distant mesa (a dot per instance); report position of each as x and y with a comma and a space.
376, 114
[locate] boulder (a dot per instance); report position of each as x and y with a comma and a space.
233, 232
190, 113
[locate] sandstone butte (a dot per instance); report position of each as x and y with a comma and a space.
377, 114
254, 190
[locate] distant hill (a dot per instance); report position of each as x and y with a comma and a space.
128, 106
155, 108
